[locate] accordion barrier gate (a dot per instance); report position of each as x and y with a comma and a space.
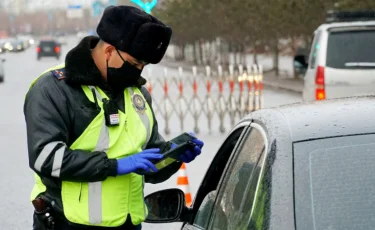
226, 94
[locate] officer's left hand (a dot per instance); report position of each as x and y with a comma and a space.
190, 155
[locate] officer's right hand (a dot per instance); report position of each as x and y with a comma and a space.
139, 161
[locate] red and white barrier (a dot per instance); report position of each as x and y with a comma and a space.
234, 93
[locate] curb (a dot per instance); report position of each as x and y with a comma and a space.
282, 87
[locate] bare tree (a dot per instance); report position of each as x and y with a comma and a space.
246, 23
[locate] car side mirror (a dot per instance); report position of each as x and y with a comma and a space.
300, 64
165, 206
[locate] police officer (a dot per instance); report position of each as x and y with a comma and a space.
91, 128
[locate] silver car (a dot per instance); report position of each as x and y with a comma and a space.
304, 166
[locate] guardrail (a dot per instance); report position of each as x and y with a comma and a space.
232, 93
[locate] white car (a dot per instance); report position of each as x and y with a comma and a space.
26, 40
341, 61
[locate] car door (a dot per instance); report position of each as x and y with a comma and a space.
206, 195
237, 190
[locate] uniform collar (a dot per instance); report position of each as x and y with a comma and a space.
80, 68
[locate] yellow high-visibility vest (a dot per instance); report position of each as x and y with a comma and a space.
107, 203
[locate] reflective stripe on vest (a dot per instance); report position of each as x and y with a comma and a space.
95, 188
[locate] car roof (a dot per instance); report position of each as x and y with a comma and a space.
327, 26
47, 40
321, 119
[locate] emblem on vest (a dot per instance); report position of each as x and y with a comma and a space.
139, 103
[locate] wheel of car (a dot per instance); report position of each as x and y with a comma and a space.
1, 79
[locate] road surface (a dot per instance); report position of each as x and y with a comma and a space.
16, 177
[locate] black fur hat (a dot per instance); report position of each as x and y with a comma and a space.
135, 32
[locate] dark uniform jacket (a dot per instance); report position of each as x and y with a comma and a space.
57, 109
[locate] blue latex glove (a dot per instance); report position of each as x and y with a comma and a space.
190, 155
139, 161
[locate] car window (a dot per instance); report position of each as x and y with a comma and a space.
206, 195
351, 49
48, 43
261, 207
236, 195
314, 51
204, 213
334, 183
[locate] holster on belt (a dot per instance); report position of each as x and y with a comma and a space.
44, 213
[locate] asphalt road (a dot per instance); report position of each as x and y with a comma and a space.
16, 177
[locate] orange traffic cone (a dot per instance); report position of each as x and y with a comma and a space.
183, 184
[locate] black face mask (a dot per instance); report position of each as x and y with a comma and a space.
125, 76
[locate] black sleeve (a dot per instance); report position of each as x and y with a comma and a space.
156, 141
48, 122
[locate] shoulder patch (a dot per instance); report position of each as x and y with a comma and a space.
59, 73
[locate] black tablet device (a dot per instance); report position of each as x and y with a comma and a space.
183, 142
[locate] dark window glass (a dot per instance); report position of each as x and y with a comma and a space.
262, 202
48, 43
236, 197
335, 183
351, 49
15, 43
202, 218
213, 177
315, 50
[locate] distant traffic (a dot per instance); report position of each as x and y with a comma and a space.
45, 46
